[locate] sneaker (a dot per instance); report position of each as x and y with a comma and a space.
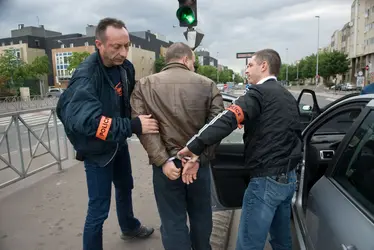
140, 233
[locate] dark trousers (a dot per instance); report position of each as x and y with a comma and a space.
174, 201
99, 184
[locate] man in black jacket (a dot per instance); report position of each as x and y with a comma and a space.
96, 113
273, 148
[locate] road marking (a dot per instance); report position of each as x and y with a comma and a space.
31, 119
330, 99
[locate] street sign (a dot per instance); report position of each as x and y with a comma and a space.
360, 81
193, 37
244, 55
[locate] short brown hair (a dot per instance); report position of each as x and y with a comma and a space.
177, 51
271, 57
104, 24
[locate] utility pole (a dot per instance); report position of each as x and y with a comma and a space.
317, 76
217, 69
287, 66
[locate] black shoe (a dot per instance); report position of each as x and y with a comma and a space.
141, 233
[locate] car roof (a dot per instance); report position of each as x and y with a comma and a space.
355, 98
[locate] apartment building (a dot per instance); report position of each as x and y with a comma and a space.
205, 58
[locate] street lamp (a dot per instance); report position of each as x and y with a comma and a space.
217, 69
318, 17
287, 66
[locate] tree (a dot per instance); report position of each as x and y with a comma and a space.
208, 71
77, 58
14, 72
238, 78
159, 64
307, 67
38, 68
332, 64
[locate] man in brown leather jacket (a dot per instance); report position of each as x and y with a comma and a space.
182, 102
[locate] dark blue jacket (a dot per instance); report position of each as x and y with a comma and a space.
90, 109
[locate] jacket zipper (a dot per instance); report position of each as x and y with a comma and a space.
115, 152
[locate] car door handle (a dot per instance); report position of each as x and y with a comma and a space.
349, 247
326, 154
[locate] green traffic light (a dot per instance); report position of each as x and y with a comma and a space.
186, 14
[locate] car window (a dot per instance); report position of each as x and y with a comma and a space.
341, 122
237, 135
355, 169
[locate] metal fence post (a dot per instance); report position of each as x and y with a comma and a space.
16, 122
57, 140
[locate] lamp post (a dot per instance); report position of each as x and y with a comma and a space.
217, 69
317, 76
287, 66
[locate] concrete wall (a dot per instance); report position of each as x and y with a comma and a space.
143, 60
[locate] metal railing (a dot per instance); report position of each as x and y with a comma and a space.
18, 134
16, 103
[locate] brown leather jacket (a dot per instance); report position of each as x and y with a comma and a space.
182, 102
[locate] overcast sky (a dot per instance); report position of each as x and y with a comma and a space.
229, 26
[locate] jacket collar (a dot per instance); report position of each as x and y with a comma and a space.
175, 65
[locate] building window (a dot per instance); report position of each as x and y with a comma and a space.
20, 41
62, 46
3, 44
62, 63
86, 44
11, 42
37, 43
71, 45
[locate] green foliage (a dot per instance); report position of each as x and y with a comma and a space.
330, 64
14, 72
77, 58
159, 64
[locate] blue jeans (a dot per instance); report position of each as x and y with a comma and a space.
267, 209
174, 201
99, 184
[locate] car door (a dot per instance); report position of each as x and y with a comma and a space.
229, 179
309, 112
324, 213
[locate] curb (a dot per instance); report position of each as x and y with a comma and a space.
222, 221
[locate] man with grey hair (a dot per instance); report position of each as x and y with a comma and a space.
182, 102
272, 142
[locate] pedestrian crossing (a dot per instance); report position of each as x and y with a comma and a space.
31, 119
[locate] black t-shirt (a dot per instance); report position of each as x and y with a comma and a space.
114, 75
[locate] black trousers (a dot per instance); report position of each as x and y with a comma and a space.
175, 200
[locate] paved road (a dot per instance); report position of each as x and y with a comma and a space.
36, 122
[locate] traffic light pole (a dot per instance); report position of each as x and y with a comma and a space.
193, 37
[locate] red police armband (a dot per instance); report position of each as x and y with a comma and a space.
239, 114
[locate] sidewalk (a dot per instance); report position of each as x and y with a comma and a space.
49, 214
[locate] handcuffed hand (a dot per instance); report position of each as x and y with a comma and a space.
171, 171
190, 165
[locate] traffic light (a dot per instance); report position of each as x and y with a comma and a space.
187, 13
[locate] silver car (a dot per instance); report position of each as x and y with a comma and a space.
333, 208
54, 92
